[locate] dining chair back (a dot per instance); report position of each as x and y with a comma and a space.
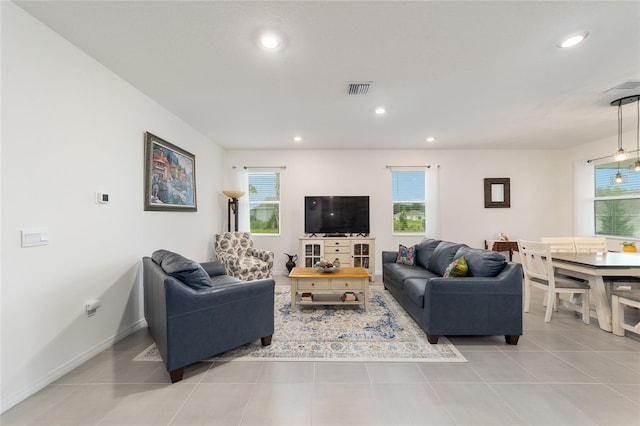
620, 299
536, 258
590, 244
560, 244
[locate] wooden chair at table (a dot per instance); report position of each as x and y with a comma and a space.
538, 272
560, 244
590, 244
621, 299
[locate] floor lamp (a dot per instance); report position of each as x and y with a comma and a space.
232, 206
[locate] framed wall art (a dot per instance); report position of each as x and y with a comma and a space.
169, 176
497, 193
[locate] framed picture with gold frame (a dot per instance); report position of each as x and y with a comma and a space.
169, 176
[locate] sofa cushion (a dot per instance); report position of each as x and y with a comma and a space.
396, 273
414, 289
406, 255
159, 255
482, 263
457, 268
189, 272
424, 250
442, 256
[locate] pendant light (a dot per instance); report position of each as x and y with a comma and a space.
621, 154
618, 175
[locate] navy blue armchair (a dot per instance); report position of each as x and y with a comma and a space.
195, 311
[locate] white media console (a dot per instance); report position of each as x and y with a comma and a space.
350, 251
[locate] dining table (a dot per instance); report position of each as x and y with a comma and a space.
595, 268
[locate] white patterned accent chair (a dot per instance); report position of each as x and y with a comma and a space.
241, 259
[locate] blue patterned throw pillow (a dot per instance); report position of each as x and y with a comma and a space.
406, 255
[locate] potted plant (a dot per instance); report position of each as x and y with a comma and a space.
629, 246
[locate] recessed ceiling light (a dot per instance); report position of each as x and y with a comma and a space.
380, 110
297, 138
431, 139
573, 40
269, 41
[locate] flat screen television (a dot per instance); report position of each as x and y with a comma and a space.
336, 215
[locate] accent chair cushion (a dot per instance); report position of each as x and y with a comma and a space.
189, 272
406, 255
457, 268
424, 250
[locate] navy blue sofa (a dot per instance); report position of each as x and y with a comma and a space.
195, 311
488, 301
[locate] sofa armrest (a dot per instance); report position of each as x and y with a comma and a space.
475, 305
214, 268
389, 256
182, 300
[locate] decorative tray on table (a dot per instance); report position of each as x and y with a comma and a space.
324, 266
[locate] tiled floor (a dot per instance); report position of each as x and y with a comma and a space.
562, 373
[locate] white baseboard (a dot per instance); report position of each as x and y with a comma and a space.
63, 369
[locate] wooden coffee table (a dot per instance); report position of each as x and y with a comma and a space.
328, 287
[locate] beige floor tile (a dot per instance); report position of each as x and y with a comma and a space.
233, 372
394, 372
410, 404
213, 404
279, 404
341, 372
449, 372
345, 404
287, 372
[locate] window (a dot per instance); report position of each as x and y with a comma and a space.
264, 202
617, 205
408, 197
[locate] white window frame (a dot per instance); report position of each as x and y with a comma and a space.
268, 202
423, 201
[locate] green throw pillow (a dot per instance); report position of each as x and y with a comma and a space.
457, 268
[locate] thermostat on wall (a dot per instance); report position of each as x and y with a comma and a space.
102, 197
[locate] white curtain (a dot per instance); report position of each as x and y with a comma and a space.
583, 190
244, 224
433, 202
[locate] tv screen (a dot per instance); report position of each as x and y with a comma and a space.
336, 215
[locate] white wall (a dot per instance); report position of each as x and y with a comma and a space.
541, 185
71, 128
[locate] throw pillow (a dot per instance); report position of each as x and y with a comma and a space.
189, 272
406, 255
457, 268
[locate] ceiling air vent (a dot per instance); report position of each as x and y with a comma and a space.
627, 85
358, 88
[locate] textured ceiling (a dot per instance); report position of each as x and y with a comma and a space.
472, 74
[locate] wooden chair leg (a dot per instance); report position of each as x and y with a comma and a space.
586, 313
617, 316
550, 306
527, 296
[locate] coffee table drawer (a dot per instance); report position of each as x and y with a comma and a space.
313, 284
347, 284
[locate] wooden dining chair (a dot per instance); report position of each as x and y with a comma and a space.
619, 300
590, 244
560, 244
538, 272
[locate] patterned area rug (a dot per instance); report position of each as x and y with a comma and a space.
340, 333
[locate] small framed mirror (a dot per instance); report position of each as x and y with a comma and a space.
497, 193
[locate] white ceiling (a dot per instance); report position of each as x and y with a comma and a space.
473, 74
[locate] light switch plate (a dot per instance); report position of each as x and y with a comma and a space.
35, 237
